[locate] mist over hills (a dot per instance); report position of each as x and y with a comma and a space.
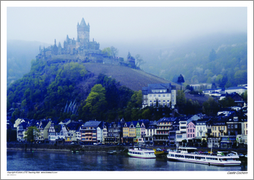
19, 56
191, 58
166, 60
63, 90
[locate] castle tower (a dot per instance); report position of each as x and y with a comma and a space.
83, 33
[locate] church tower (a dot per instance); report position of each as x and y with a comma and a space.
83, 33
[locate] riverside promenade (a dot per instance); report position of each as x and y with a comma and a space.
106, 148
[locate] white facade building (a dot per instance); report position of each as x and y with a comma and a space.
238, 90
163, 94
99, 135
201, 129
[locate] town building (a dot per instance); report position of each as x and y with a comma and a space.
44, 129
114, 133
201, 86
159, 94
21, 128
89, 132
52, 132
191, 130
238, 90
150, 132
218, 128
162, 133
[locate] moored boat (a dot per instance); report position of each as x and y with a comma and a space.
141, 153
112, 152
160, 152
191, 155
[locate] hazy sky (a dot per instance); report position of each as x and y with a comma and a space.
125, 24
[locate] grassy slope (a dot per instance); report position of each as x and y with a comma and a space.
131, 78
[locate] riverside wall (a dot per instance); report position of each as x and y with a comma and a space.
105, 148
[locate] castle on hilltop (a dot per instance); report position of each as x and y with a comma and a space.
81, 50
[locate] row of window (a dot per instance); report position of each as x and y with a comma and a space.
160, 95
221, 128
159, 101
191, 135
191, 130
154, 104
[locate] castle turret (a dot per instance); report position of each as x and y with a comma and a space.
83, 32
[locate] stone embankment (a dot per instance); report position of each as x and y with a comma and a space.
63, 148
105, 148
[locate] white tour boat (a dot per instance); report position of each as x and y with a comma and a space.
141, 153
188, 154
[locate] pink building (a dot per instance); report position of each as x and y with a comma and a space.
191, 126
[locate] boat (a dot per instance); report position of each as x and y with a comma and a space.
141, 153
160, 152
188, 154
111, 152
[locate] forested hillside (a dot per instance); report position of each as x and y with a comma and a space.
70, 90
219, 59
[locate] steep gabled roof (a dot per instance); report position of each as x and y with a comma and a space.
74, 126
127, 124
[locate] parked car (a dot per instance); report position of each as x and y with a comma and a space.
95, 143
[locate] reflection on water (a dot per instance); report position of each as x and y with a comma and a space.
99, 161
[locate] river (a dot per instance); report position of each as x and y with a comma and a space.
99, 161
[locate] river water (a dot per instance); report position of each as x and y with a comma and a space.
99, 161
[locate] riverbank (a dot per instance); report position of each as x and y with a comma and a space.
105, 148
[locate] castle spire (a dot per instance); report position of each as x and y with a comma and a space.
83, 22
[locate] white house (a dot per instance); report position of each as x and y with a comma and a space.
201, 128
21, 129
238, 90
52, 133
99, 134
163, 94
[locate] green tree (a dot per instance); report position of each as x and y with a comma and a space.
210, 107
146, 113
107, 51
227, 102
241, 77
96, 103
245, 96
114, 51
180, 100
31, 133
